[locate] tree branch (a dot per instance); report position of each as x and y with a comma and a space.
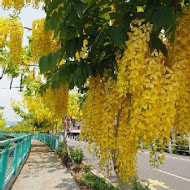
27, 28
11, 83
2, 74
29, 65
11, 87
21, 82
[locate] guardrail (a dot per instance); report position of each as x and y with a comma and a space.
173, 147
50, 140
12, 154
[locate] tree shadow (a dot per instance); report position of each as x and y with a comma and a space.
67, 184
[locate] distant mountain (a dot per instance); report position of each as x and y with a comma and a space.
11, 123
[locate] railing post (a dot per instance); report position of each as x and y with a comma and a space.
22, 152
25, 150
4, 161
56, 143
30, 139
51, 141
15, 162
29, 143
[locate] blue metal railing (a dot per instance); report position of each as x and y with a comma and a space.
12, 153
50, 140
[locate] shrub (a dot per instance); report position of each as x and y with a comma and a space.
95, 182
62, 152
138, 186
60, 144
182, 145
87, 168
77, 155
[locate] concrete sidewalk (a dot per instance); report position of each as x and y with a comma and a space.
44, 171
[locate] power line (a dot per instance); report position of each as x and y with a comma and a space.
9, 88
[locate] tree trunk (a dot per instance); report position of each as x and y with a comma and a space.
114, 159
121, 181
65, 144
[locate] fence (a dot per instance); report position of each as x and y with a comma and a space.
174, 147
12, 154
50, 140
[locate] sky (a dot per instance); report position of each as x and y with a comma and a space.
27, 16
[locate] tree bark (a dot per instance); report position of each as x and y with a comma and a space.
11, 83
65, 144
114, 159
2, 74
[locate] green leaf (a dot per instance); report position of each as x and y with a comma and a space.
70, 48
80, 7
56, 31
163, 18
156, 43
113, 15
89, 2
52, 60
117, 35
70, 33
43, 64
51, 24
48, 63
101, 36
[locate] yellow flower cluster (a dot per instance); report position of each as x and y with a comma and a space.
142, 107
73, 107
35, 105
42, 43
2, 123
39, 117
99, 112
13, 28
4, 31
83, 53
57, 101
21, 127
16, 36
179, 58
19, 4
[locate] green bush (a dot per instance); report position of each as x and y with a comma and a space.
61, 144
62, 152
77, 155
87, 168
138, 186
182, 145
95, 182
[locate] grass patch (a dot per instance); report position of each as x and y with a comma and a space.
96, 183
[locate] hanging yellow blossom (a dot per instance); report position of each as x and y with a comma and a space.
4, 31
16, 36
19, 4
57, 100
42, 43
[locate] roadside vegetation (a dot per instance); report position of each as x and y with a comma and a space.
83, 175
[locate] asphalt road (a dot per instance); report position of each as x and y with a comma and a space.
174, 174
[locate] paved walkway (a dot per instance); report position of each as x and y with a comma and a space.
44, 171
